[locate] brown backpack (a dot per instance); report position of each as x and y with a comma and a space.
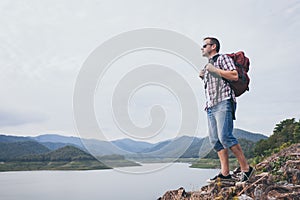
241, 63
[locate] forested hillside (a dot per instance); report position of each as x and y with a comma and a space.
14, 150
285, 133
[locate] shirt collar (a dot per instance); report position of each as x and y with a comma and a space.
214, 58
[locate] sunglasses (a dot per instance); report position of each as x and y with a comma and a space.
204, 46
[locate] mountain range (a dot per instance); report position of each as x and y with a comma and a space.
184, 146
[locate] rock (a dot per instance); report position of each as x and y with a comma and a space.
174, 194
279, 179
244, 197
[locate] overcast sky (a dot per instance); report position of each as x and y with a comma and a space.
45, 43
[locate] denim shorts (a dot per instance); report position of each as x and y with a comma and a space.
220, 125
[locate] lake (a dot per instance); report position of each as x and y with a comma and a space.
147, 182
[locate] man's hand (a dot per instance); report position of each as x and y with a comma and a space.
213, 69
202, 72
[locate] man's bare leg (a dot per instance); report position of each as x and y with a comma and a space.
238, 152
223, 156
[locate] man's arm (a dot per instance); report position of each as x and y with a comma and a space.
231, 75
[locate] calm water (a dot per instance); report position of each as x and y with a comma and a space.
102, 184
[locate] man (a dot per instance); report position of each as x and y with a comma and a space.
220, 108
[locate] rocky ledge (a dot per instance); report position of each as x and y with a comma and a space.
277, 177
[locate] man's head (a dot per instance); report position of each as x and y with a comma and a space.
210, 47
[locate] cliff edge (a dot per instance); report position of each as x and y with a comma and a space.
277, 177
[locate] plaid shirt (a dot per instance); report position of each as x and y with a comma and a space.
217, 89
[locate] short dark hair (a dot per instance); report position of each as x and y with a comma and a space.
214, 41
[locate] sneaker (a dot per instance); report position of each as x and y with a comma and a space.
245, 176
220, 177
237, 171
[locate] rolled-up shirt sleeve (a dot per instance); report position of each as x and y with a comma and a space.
227, 63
